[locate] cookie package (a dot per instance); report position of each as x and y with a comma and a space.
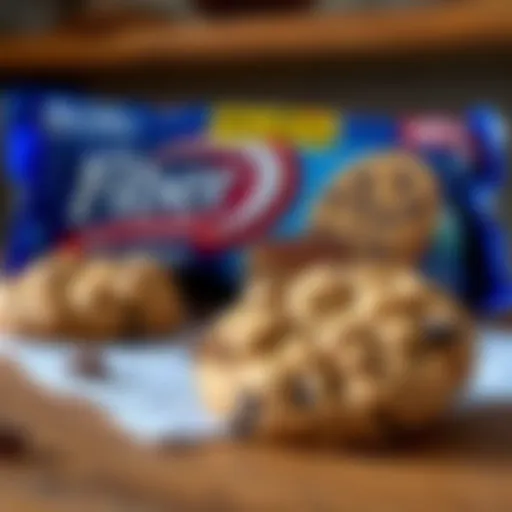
197, 185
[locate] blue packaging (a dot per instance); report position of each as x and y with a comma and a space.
196, 184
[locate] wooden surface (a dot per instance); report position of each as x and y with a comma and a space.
78, 459
457, 26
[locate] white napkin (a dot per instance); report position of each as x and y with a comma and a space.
151, 394
492, 379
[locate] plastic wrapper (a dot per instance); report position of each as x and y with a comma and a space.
196, 185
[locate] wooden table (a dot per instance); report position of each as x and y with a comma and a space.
466, 466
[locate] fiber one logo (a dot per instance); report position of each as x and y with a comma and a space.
205, 195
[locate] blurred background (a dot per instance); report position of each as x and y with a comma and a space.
393, 55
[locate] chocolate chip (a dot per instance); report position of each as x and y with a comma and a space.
439, 332
301, 393
88, 362
14, 442
246, 416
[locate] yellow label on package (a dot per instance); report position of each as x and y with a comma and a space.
307, 128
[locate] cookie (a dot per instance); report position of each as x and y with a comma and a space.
40, 306
264, 292
354, 355
150, 296
384, 208
9, 321
96, 311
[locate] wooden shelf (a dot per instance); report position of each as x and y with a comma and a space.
455, 27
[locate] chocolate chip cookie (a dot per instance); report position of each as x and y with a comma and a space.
38, 302
384, 208
9, 314
97, 312
150, 296
354, 354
